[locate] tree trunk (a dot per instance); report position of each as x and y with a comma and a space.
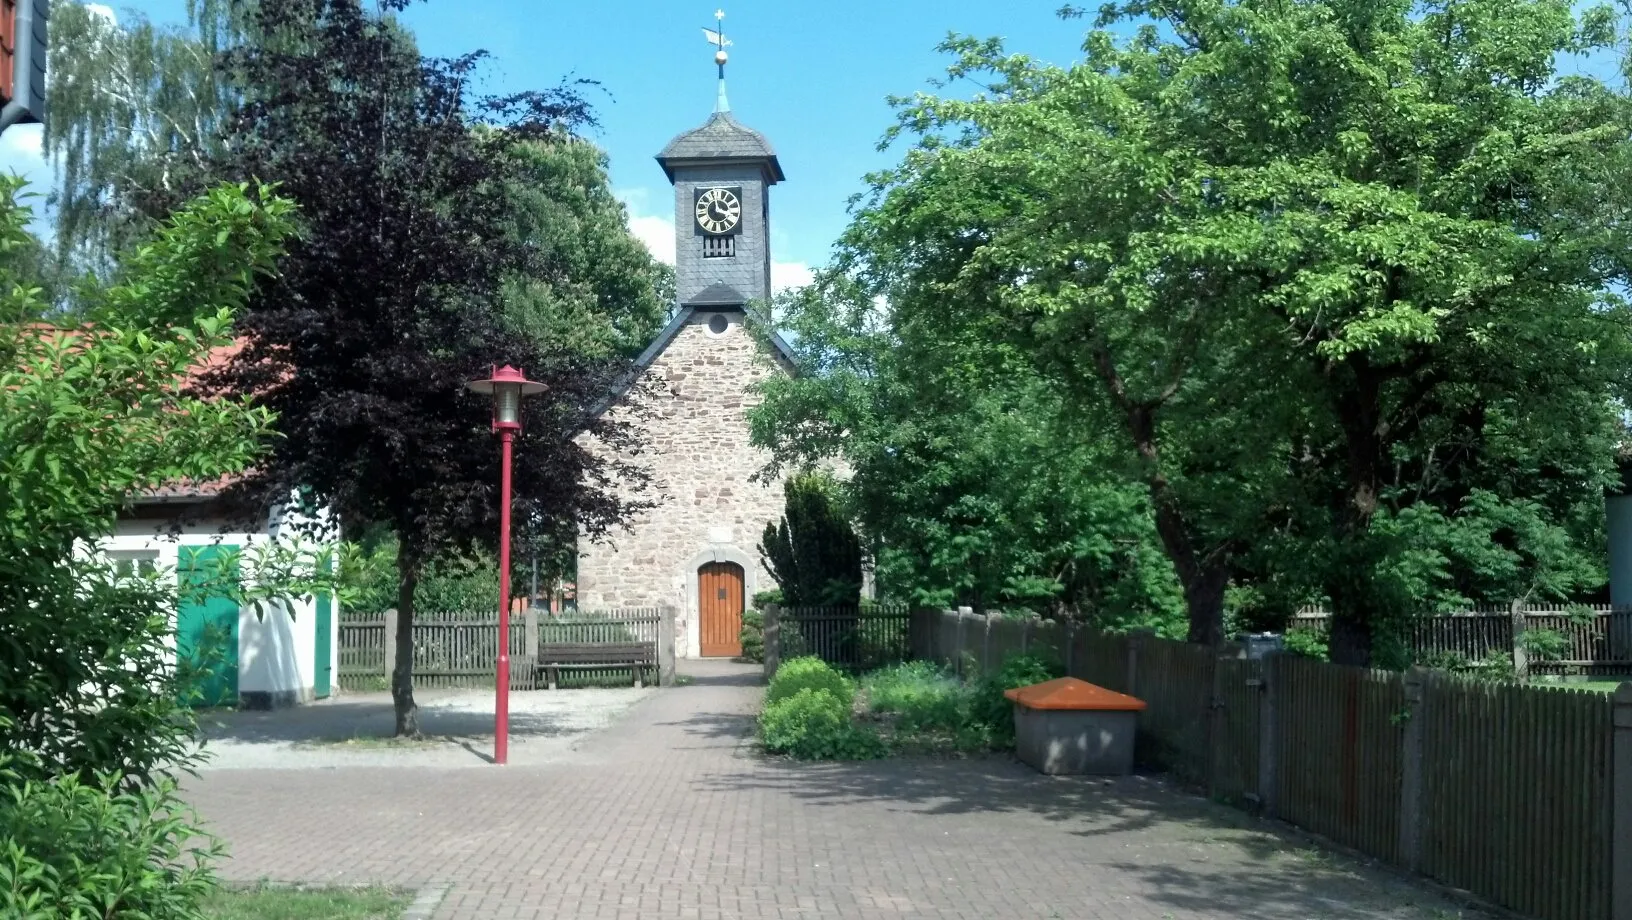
1350, 640
402, 674
1203, 578
1354, 608
1204, 600
1204, 575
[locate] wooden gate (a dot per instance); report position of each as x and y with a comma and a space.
719, 608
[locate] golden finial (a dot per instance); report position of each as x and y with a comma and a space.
716, 37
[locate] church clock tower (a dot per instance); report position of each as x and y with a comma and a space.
692, 550
722, 173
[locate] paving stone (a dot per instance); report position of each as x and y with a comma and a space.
662, 815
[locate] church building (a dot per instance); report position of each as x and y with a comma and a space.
697, 550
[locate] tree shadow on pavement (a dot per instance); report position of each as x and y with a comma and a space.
372, 718
1188, 853
734, 726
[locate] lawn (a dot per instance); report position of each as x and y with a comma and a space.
1600, 686
272, 903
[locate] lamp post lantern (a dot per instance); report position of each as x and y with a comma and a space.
507, 386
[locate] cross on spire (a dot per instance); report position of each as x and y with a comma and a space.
716, 37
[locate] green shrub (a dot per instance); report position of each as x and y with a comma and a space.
921, 696
814, 724
73, 849
931, 708
752, 635
450, 583
812, 673
1306, 642
987, 704
1497, 666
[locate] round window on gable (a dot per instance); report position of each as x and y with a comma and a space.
718, 324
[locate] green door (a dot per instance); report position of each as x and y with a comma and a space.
323, 676
207, 634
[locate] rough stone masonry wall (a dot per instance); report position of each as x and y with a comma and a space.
698, 452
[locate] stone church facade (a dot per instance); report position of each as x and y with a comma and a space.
697, 549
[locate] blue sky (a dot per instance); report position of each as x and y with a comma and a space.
812, 76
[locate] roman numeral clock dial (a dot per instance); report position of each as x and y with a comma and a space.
718, 210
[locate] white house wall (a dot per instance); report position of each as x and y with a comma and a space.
276, 651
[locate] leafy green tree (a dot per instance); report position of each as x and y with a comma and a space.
813, 553
968, 482
399, 292
1340, 272
591, 287
93, 714
136, 111
586, 288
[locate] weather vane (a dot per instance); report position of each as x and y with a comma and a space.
716, 37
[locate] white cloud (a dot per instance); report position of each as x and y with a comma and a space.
23, 140
785, 275
657, 233
20, 153
655, 230
106, 12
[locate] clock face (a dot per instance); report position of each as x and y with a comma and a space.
718, 210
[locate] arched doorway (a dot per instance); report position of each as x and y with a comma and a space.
719, 610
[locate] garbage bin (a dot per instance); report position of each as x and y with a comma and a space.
1257, 645
1067, 727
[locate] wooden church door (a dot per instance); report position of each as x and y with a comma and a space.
719, 608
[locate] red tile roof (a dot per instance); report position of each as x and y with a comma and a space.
214, 360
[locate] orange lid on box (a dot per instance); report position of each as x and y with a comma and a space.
1070, 693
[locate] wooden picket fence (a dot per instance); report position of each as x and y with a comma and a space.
460, 650
1596, 640
1504, 790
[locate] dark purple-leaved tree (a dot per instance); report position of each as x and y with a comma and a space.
392, 297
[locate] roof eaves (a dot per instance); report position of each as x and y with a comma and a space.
663, 341
645, 360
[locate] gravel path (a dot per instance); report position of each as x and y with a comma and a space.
355, 730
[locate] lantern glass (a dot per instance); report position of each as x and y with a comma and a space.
507, 403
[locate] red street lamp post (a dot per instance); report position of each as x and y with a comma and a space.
507, 386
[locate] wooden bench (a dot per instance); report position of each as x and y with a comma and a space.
586, 655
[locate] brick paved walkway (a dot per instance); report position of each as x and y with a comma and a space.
668, 815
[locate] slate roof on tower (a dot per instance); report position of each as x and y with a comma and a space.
720, 138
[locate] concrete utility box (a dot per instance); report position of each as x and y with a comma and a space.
1068, 727
1257, 645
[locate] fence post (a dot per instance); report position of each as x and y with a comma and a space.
390, 642
1069, 628
1521, 660
1136, 638
773, 640
531, 626
665, 646
1416, 686
529, 667
986, 643
1215, 718
963, 637
1620, 818
1269, 682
